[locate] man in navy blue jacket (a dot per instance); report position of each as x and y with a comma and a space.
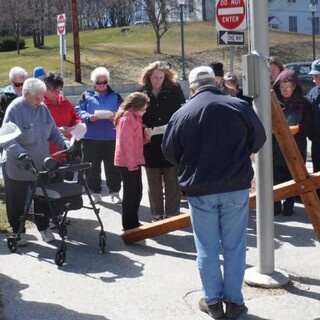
211, 139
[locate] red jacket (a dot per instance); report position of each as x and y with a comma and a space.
129, 141
64, 115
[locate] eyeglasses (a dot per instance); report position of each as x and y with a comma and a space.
54, 91
18, 85
101, 82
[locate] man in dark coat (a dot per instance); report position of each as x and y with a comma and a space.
211, 139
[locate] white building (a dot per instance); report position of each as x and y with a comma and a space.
285, 15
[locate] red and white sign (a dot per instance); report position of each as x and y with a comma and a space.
61, 24
230, 15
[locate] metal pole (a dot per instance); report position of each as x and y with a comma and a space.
313, 37
61, 54
76, 41
183, 76
264, 182
231, 59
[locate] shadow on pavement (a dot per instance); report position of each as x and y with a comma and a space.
36, 310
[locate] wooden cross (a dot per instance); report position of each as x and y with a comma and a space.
303, 184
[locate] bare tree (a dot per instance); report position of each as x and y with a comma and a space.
159, 13
13, 16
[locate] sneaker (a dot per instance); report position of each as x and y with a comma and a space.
115, 198
233, 310
97, 197
213, 310
23, 240
47, 235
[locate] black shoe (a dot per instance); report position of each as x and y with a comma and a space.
287, 211
276, 212
213, 310
233, 310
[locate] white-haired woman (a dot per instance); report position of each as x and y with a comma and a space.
97, 108
38, 129
17, 76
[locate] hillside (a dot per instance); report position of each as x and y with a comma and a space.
129, 70
126, 54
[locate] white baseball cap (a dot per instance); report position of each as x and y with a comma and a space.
201, 73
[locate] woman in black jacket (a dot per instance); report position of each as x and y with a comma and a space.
159, 82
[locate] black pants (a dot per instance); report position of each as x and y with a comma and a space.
132, 195
16, 193
96, 152
315, 154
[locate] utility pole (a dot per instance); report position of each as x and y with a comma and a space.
265, 273
76, 41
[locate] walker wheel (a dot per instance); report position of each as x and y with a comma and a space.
60, 257
102, 241
12, 243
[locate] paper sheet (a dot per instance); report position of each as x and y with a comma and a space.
103, 114
159, 130
78, 131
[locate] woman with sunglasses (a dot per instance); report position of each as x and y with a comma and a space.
97, 108
17, 77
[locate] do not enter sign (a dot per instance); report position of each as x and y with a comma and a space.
61, 24
230, 15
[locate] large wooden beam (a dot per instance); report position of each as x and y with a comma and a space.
157, 228
295, 162
291, 188
303, 184
281, 191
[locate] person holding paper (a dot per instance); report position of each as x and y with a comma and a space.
38, 129
98, 144
159, 82
129, 154
61, 109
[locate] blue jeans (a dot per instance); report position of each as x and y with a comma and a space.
221, 219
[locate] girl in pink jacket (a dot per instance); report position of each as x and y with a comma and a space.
130, 138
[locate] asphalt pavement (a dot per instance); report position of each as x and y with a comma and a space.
153, 279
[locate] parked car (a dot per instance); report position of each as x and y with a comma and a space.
141, 22
302, 69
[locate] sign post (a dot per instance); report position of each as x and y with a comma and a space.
61, 31
231, 17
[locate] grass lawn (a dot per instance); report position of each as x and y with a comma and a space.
108, 46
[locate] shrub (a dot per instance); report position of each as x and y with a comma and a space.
8, 43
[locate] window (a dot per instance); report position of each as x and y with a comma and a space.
292, 1
293, 24
274, 26
190, 6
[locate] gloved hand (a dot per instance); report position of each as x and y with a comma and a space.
25, 160
294, 129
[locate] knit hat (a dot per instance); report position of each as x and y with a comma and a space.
201, 73
217, 68
39, 73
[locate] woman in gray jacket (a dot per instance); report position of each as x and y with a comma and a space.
38, 129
